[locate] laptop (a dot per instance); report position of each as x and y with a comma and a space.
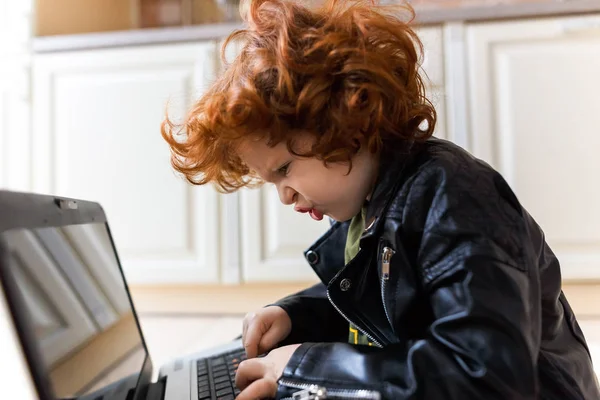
72, 310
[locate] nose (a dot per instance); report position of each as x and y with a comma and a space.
286, 194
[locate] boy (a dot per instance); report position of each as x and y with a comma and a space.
437, 284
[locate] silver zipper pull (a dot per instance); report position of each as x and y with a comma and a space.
314, 392
385, 262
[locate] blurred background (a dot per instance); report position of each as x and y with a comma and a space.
84, 86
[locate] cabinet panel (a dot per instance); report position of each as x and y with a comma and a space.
437, 96
433, 54
433, 68
14, 123
97, 117
535, 115
274, 237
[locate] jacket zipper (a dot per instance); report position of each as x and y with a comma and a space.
386, 257
371, 338
310, 391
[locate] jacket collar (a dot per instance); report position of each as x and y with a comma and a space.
390, 176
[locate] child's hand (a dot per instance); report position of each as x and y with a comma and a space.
265, 328
257, 377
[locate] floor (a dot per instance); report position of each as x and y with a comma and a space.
169, 335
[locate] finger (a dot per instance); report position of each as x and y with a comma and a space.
254, 333
249, 371
270, 339
261, 389
245, 323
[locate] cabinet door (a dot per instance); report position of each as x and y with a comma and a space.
15, 34
433, 68
274, 237
535, 113
96, 135
14, 125
15, 108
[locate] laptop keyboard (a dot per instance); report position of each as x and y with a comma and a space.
216, 376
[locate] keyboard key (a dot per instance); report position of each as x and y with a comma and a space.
222, 379
223, 385
203, 377
217, 361
204, 395
202, 387
220, 374
224, 392
226, 397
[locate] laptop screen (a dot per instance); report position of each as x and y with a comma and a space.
74, 294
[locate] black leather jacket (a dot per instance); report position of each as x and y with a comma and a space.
471, 308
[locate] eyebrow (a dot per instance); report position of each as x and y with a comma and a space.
272, 169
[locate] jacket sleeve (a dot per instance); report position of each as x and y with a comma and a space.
473, 269
313, 317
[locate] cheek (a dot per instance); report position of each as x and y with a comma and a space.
336, 186
318, 183
351, 188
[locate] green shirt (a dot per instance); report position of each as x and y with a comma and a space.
357, 227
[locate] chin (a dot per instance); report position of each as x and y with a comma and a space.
346, 214
338, 218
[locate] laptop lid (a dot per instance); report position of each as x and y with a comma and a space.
69, 300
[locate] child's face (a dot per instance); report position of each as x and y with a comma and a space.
308, 184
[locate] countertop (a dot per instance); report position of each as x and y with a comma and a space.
428, 12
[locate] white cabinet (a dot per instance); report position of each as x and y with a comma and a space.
15, 34
96, 135
274, 237
433, 67
14, 123
522, 95
535, 116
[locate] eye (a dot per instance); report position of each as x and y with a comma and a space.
284, 169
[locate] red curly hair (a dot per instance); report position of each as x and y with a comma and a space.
346, 72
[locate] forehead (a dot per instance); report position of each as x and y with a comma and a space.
260, 157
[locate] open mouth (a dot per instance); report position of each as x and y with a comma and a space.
313, 212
